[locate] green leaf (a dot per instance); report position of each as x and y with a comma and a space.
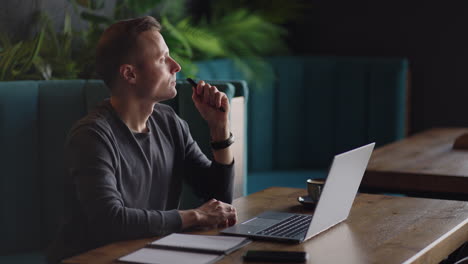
174, 32
201, 39
83, 3
96, 19
250, 34
34, 52
67, 27
5, 42
8, 61
141, 7
274, 11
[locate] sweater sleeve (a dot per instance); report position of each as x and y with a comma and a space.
209, 179
92, 165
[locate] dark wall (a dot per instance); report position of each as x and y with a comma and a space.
432, 35
15, 16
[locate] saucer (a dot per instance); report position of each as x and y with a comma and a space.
307, 201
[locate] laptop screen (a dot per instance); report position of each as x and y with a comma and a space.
341, 186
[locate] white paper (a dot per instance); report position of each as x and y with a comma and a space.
221, 244
164, 256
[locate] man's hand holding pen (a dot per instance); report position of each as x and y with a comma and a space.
209, 100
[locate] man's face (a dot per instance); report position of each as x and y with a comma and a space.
155, 70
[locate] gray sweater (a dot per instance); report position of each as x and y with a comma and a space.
125, 185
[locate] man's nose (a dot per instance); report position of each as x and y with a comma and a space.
176, 67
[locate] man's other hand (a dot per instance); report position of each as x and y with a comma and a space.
212, 214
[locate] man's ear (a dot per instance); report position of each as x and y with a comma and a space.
127, 72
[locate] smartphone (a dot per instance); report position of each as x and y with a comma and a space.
275, 256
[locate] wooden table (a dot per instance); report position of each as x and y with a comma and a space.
380, 229
424, 164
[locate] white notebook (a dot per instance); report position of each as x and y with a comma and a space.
164, 256
184, 248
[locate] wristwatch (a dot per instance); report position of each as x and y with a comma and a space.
223, 144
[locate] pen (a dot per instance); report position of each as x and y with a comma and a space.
194, 84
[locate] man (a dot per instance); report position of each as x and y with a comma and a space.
127, 159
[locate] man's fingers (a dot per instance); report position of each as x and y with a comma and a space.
210, 95
219, 214
218, 97
232, 220
233, 216
195, 96
200, 87
224, 101
213, 92
206, 93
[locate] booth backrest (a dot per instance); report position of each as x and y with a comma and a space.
20, 207
35, 118
314, 107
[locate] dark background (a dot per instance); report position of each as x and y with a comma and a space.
433, 35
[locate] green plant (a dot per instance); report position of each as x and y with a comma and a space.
241, 35
244, 31
55, 60
277, 12
127, 9
17, 59
47, 56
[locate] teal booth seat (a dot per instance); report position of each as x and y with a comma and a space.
313, 108
35, 117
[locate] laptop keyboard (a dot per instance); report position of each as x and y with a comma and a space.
289, 227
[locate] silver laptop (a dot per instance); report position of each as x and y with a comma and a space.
333, 207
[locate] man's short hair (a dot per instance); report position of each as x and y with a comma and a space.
117, 44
